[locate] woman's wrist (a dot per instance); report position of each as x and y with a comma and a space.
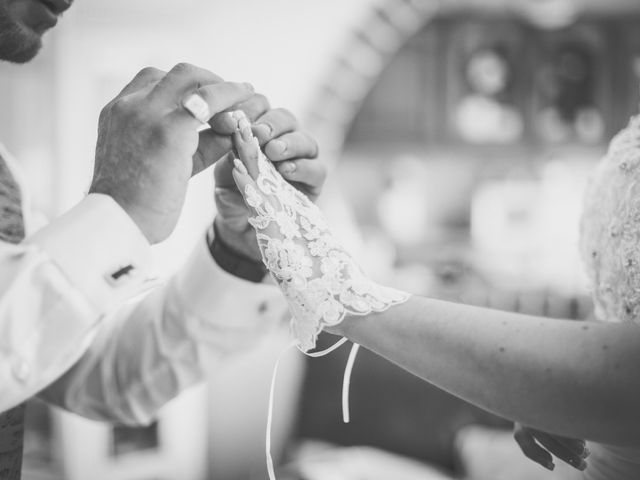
342, 329
352, 325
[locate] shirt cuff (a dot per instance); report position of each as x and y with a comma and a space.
100, 250
234, 262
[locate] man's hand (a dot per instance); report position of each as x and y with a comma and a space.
568, 450
149, 145
294, 153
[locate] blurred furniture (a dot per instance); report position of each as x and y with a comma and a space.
320, 461
174, 447
484, 453
588, 69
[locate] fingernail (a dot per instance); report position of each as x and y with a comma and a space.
287, 167
279, 145
263, 130
256, 145
550, 465
249, 87
243, 123
245, 129
240, 166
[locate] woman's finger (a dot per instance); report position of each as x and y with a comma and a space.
246, 146
560, 450
273, 124
531, 449
308, 175
579, 447
291, 146
241, 175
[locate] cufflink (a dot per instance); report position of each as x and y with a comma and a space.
121, 275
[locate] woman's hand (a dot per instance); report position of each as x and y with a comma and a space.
538, 446
319, 279
293, 152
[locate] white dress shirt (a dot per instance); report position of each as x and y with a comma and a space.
70, 332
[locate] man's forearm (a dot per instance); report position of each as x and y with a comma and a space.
571, 378
149, 352
56, 286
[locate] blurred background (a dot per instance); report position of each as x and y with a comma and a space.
461, 134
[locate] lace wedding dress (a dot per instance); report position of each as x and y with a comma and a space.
610, 239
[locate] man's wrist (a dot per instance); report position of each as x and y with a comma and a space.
232, 261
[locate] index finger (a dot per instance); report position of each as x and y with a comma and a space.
181, 79
273, 124
220, 97
579, 447
144, 78
527, 443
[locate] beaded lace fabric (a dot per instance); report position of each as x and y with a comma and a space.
610, 229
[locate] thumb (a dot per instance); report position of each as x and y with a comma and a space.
211, 148
222, 172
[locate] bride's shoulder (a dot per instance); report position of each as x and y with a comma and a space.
610, 226
619, 168
626, 144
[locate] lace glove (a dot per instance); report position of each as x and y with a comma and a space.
319, 279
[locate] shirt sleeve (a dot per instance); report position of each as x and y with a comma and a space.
154, 348
55, 288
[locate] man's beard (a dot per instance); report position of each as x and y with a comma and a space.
17, 43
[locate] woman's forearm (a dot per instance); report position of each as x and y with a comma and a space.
571, 378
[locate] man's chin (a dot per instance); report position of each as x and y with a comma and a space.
25, 55
19, 46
